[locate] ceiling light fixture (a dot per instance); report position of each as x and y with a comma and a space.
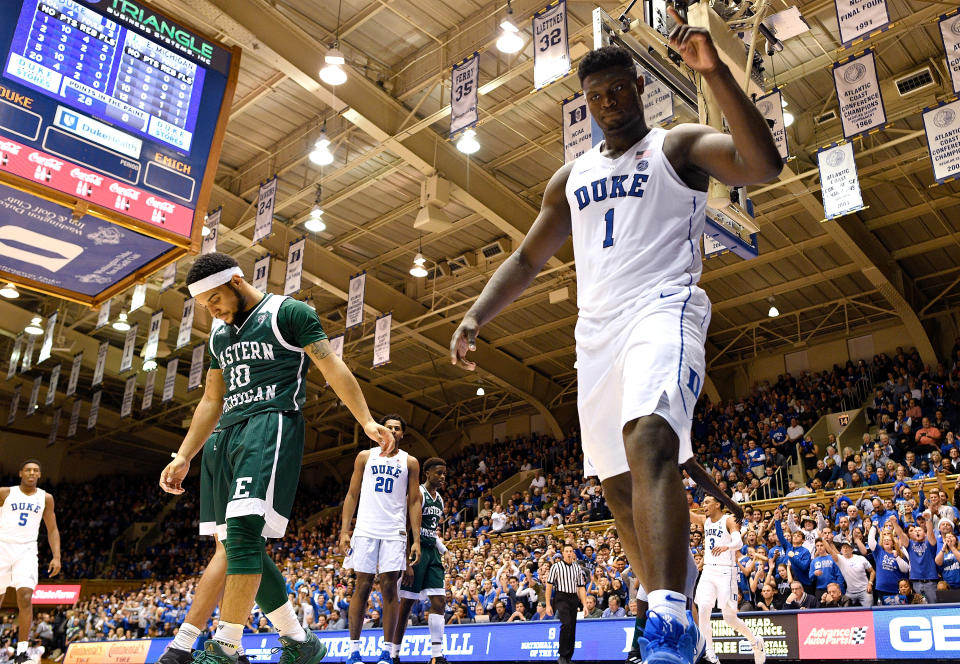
315, 223
773, 312
510, 40
205, 231
418, 270
332, 72
10, 292
468, 143
149, 365
121, 324
321, 154
480, 392
34, 328
787, 118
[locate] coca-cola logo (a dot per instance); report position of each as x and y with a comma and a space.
89, 178
46, 162
12, 148
127, 192
164, 206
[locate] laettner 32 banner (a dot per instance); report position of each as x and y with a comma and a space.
551, 48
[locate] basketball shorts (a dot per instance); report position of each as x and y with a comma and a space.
427, 574
251, 468
718, 586
371, 555
650, 361
18, 565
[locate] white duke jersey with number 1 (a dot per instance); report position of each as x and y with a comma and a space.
20, 516
382, 511
636, 227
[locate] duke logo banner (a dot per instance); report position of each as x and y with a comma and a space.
186, 323
839, 184
94, 409
381, 340
74, 419
657, 100
771, 108
169, 380
209, 243
54, 425
261, 274
52, 388
859, 18
15, 355
138, 297
101, 364
169, 277
126, 359
148, 390
942, 126
34, 395
103, 315
266, 201
858, 91
294, 278
14, 404
358, 283
577, 130
196, 368
126, 406
551, 48
464, 80
74, 374
47, 346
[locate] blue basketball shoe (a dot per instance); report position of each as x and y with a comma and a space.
666, 641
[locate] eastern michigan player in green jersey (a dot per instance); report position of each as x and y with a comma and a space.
252, 401
425, 579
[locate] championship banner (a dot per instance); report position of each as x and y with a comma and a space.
711, 247
464, 81
950, 36
14, 404
148, 387
657, 100
859, 19
169, 277
15, 355
169, 380
153, 336
942, 126
47, 346
126, 358
103, 314
196, 367
138, 297
381, 340
577, 130
261, 274
52, 388
54, 425
771, 108
101, 364
294, 278
551, 53
34, 395
126, 406
839, 184
209, 243
74, 419
358, 284
26, 358
266, 199
74, 374
858, 92
186, 323
94, 409
336, 345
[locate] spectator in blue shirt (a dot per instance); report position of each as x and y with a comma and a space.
823, 569
797, 557
890, 563
948, 559
921, 546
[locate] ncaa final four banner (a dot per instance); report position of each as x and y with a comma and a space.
942, 126
74, 374
294, 278
551, 52
858, 92
657, 100
261, 274
209, 243
186, 323
839, 184
464, 81
577, 129
859, 19
266, 200
950, 36
771, 108
355, 293
381, 340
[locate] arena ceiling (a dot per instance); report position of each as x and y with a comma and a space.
894, 262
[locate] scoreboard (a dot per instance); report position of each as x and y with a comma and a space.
112, 109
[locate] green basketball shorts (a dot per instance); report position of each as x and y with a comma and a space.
251, 468
427, 574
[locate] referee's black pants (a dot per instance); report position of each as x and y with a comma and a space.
566, 611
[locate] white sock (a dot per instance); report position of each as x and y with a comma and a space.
387, 646
435, 621
229, 636
185, 637
669, 603
285, 620
354, 646
395, 650
22, 646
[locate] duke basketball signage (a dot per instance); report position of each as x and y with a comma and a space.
577, 128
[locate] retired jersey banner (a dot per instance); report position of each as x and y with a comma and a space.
74, 419
261, 274
101, 364
94, 409
858, 92
771, 108
942, 126
577, 130
126, 406
47, 346
186, 323
169, 277
169, 380
74, 374
54, 425
196, 368
103, 315
657, 100
266, 199
26, 359
209, 243
148, 387
858, 19
15, 355
381, 340
52, 388
839, 184
34, 395
138, 297
126, 358
464, 81
294, 277
358, 284
14, 404
153, 336
551, 48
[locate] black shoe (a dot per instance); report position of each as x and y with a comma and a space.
175, 656
634, 657
396, 659
22, 658
439, 660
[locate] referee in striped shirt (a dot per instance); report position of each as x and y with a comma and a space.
569, 582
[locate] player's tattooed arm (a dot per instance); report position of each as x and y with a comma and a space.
319, 349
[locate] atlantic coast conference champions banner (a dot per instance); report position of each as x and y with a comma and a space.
464, 79
950, 35
839, 184
942, 126
858, 93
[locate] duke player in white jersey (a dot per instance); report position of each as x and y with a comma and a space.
635, 205
718, 582
22, 509
384, 489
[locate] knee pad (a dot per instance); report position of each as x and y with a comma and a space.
244, 545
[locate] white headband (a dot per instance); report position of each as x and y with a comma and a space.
213, 280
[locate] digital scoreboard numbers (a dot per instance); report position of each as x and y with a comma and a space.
112, 108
